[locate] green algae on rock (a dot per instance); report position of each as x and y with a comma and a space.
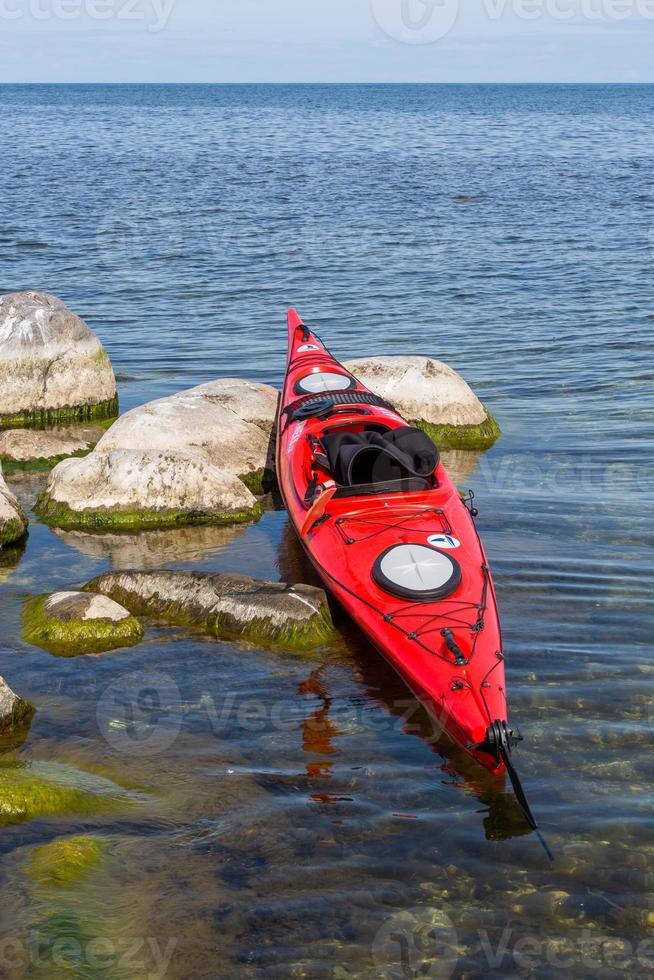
472, 437
75, 623
68, 415
260, 481
61, 516
65, 861
227, 606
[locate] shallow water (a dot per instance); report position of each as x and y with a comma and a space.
299, 816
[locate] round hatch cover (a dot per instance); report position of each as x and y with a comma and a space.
319, 381
415, 571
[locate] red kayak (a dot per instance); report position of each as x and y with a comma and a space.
394, 542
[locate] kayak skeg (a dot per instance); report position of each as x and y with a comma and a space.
394, 542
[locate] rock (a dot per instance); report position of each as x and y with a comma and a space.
227, 606
14, 712
194, 458
432, 396
73, 623
13, 523
52, 367
228, 423
134, 490
41, 449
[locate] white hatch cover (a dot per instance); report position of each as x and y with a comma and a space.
313, 384
415, 571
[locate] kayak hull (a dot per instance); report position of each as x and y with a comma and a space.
447, 649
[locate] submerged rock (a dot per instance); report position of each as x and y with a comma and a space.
65, 862
52, 366
14, 712
431, 395
41, 449
72, 623
227, 606
47, 789
13, 523
194, 458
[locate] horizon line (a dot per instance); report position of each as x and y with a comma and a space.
331, 83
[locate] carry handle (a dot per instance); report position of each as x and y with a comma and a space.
454, 647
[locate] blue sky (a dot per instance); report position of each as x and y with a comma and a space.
331, 41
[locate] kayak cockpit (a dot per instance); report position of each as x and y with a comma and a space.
358, 458
364, 455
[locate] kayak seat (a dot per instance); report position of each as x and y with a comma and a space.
373, 458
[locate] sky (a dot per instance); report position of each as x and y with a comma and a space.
327, 41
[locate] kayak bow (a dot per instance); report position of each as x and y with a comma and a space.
393, 540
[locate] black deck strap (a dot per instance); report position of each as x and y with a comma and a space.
338, 398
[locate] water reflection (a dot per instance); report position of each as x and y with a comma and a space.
148, 550
318, 732
462, 465
10, 559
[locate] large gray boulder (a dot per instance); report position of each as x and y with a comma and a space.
132, 489
227, 606
195, 457
14, 712
52, 367
432, 395
13, 523
227, 422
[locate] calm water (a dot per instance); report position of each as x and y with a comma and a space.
297, 816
